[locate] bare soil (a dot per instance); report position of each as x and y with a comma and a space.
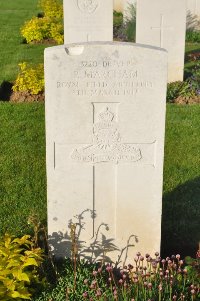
187, 101
26, 97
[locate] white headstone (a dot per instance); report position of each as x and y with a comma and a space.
193, 14
105, 123
194, 7
88, 20
163, 23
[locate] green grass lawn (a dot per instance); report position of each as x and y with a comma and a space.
23, 178
13, 14
22, 166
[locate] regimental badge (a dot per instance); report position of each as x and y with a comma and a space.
107, 145
88, 6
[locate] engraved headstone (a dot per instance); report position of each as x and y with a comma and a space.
105, 121
88, 20
163, 23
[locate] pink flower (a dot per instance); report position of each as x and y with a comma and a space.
85, 294
109, 268
98, 292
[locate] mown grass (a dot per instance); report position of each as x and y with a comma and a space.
23, 177
13, 14
22, 166
181, 199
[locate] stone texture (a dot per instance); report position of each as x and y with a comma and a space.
88, 20
194, 7
193, 14
162, 23
105, 123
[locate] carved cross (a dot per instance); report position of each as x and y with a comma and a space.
162, 29
105, 154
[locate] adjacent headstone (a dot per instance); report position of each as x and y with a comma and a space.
194, 7
105, 124
193, 14
163, 23
88, 20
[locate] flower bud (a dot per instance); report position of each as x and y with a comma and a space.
85, 294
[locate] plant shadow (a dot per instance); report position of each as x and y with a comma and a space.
99, 248
5, 91
181, 220
192, 21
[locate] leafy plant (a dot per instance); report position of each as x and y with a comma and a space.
186, 89
50, 26
39, 29
176, 89
194, 80
30, 79
149, 279
19, 262
193, 36
130, 23
117, 25
52, 8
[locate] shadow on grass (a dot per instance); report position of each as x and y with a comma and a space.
5, 91
181, 220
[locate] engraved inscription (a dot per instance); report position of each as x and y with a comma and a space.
105, 78
87, 6
107, 146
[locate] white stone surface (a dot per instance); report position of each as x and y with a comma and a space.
194, 7
163, 23
193, 14
88, 20
105, 123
